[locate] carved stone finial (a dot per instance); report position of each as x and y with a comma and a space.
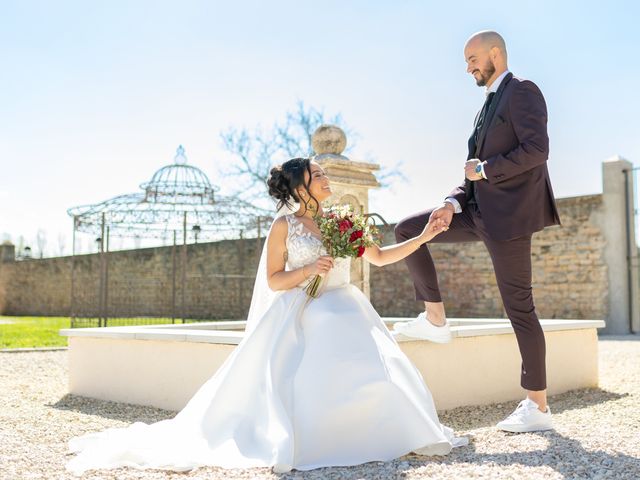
328, 139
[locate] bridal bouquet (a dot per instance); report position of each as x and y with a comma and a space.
344, 234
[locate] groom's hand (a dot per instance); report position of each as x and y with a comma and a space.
445, 213
433, 228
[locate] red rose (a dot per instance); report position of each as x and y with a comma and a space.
355, 235
360, 251
344, 225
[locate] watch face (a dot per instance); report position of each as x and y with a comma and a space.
479, 168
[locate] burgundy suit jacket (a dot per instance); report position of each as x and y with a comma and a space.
517, 198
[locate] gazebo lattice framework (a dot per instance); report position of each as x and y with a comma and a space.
178, 201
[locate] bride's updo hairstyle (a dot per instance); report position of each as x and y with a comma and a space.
285, 180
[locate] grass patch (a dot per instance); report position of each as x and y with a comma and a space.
29, 332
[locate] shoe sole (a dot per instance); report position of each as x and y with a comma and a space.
525, 429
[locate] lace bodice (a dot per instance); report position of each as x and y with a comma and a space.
304, 247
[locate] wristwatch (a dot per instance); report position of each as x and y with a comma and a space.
479, 169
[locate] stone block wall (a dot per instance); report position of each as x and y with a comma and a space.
569, 272
219, 280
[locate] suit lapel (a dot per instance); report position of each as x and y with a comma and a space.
489, 115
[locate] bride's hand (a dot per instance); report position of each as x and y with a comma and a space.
433, 228
320, 266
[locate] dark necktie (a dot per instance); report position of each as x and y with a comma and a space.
473, 197
483, 114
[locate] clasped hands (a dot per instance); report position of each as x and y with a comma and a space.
444, 214
436, 225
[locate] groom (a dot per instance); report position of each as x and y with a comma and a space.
505, 198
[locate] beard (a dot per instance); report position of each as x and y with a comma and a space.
485, 73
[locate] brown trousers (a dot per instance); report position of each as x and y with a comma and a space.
512, 265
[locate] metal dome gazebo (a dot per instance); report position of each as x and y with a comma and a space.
177, 196
179, 199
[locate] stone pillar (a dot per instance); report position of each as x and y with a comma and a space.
7, 255
619, 231
350, 183
7, 252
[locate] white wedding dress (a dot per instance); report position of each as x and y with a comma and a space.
316, 383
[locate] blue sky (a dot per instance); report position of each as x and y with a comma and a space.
96, 96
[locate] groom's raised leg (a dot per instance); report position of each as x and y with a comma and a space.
420, 263
431, 324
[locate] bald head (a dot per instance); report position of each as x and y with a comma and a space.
486, 56
488, 39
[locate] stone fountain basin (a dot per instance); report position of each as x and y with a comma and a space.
163, 365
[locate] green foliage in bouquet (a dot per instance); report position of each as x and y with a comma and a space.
345, 234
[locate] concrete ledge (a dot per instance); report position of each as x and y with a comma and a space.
232, 332
163, 365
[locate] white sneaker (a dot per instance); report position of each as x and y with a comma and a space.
422, 328
527, 417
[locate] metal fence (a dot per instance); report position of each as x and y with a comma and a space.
178, 284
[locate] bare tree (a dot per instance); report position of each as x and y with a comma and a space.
258, 150
387, 176
41, 241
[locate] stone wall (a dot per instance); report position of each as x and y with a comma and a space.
570, 277
219, 280
569, 273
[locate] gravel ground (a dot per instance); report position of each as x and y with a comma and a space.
597, 430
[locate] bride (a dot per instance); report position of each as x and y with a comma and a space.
315, 382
